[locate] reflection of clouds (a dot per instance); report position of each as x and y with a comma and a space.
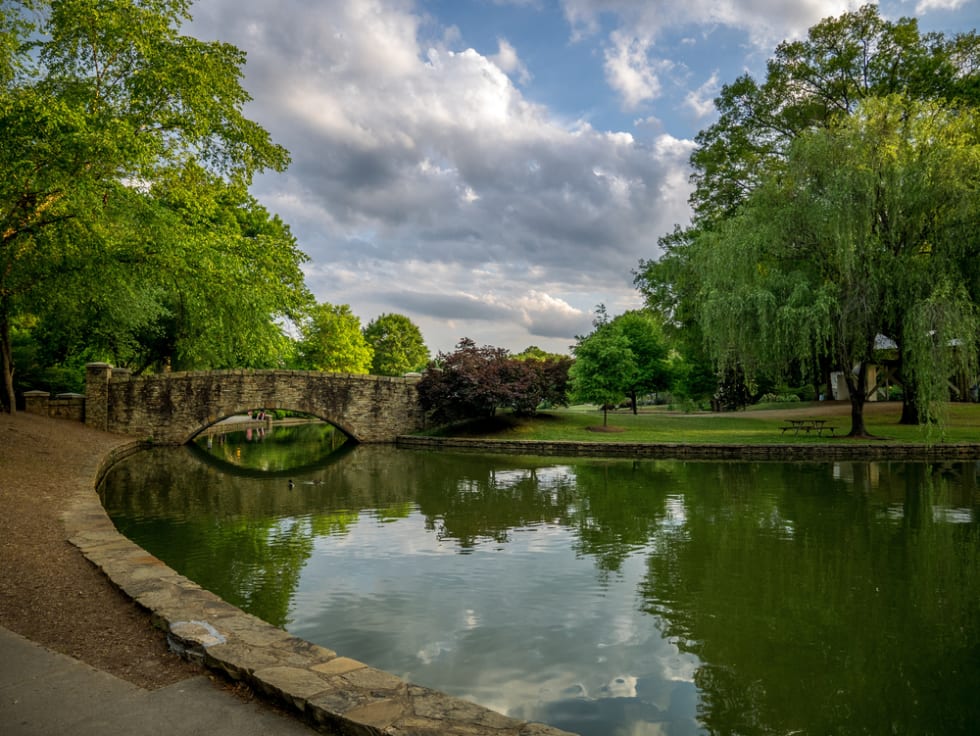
495, 626
675, 512
429, 653
678, 666
952, 515
623, 686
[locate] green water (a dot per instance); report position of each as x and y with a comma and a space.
606, 597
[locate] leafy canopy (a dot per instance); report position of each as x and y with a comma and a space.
126, 159
865, 225
398, 345
331, 340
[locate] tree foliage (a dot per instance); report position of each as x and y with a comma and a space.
605, 366
473, 382
811, 84
397, 344
126, 159
861, 231
645, 337
331, 340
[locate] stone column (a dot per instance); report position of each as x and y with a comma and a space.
97, 377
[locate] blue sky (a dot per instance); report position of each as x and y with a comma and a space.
494, 169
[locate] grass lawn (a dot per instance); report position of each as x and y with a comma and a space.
756, 425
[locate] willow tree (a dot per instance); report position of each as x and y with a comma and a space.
865, 224
105, 107
809, 83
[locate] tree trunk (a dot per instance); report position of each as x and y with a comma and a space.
632, 395
910, 409
8, 400
857, 388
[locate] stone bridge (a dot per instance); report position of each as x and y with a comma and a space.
171, 408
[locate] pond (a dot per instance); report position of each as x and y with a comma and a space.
610, 597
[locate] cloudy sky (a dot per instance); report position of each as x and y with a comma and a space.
496, 168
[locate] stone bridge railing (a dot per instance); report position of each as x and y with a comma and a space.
171, 408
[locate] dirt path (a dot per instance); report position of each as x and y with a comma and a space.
49, 593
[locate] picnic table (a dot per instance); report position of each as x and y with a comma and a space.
808, 425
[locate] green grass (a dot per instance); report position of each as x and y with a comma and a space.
757, 425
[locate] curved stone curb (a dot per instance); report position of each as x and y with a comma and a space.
333, 693
871, 450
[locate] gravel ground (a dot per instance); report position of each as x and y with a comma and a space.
49, 593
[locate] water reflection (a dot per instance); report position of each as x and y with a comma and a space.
269, 446
605, 596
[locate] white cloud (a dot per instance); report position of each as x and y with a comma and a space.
424, 181
509, 62
924, 6
701, 101
629, 69
632, 68
766, 21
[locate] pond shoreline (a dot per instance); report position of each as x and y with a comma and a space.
840, 450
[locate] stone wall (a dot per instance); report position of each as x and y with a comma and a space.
676, 451
171, 408
60, 406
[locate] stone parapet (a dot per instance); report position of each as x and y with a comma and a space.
62, 406
97, 377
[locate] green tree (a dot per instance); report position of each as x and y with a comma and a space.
331, 340
605, 367
809, 83
106, 111
398, 345
865, 223
644, 334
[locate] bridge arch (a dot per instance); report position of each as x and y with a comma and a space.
172, 408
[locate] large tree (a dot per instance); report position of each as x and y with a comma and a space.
644, 334
108, 113
605, 366
398, 345
332, 341
809, 84
864, 224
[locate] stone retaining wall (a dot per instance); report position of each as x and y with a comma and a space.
60, 406
842, 450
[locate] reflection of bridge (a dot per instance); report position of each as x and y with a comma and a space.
173, 407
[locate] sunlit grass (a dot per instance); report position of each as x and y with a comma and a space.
758, 425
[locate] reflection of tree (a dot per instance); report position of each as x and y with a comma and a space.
218, 530
469, 498
278, 448
621, 504
818, 598
813, 605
